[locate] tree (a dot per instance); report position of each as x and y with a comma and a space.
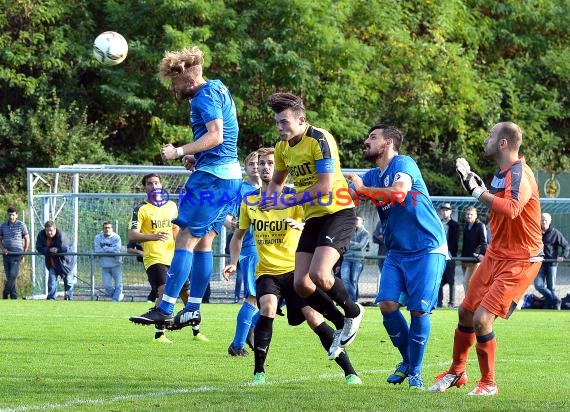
46, 136
442, 71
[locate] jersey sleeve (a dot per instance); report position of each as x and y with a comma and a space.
321, 148
518, 192
407, 166
298, 213
210, 105
324, 166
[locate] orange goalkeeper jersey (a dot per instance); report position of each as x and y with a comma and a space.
515, 214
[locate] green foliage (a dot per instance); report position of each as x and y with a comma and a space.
49, 135
443, 71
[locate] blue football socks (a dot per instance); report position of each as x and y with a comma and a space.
199, 278
397, 328
420, 327
177, 274
243, 323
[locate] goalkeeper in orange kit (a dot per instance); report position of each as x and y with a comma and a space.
510, 263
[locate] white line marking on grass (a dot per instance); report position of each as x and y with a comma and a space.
202, 389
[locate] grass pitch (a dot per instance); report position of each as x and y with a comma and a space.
88, 356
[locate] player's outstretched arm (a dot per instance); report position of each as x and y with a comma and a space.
214, 137
235, 249
400, 187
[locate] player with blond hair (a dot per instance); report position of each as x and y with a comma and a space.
211, 190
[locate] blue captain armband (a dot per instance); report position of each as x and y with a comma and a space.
324, 166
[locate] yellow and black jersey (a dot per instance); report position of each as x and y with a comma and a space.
151, 219
301, 163
275, 240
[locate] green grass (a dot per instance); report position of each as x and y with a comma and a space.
88, 356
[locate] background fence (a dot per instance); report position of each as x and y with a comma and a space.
80, 198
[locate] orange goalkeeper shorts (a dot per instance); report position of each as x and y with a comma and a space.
498, 285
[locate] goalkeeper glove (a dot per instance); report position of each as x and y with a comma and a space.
470, 180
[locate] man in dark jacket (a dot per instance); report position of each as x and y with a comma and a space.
545, 281
50, 242
452, 233
474, 244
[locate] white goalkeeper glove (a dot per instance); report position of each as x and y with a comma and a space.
470, 180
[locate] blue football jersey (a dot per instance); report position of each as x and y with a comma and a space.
214, 101
410, 224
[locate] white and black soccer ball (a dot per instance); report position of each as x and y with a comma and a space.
110, 48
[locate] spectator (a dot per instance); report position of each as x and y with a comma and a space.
50, 242
378, 238
108, 241
452, 233
353, 259
474, 244
545, 281
14, 239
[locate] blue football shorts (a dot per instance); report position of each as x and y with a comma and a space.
412, 281
206, 203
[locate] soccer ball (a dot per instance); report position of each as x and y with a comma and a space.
110, 48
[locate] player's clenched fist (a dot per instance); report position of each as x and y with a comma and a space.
470, 180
